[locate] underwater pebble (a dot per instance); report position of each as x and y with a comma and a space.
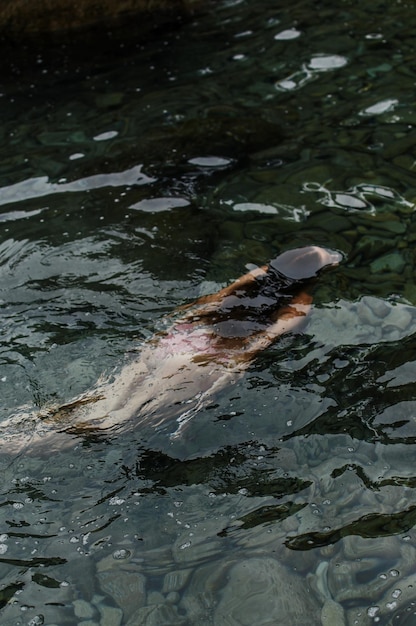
357, 555
157, 615
393, 226
83, 609
400, 146
258, 232
332, 614
155, 597
404, 161
331, 223
261, 591
110, 616
128, 589
173, 597
392, 262
174, 581
233, 230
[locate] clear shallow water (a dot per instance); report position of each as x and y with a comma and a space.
134, 182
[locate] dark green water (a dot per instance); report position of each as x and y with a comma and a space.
132, 182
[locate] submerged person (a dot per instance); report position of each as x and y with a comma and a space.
205, 348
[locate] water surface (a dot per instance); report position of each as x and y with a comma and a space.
139, 179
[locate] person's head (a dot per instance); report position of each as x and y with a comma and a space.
303, 263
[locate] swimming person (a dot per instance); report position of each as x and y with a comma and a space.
205, 347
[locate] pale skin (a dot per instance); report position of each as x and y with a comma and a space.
210, 343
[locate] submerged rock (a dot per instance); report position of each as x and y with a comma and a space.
157, 615
110, 616
262, 591
392, 262
126, 588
